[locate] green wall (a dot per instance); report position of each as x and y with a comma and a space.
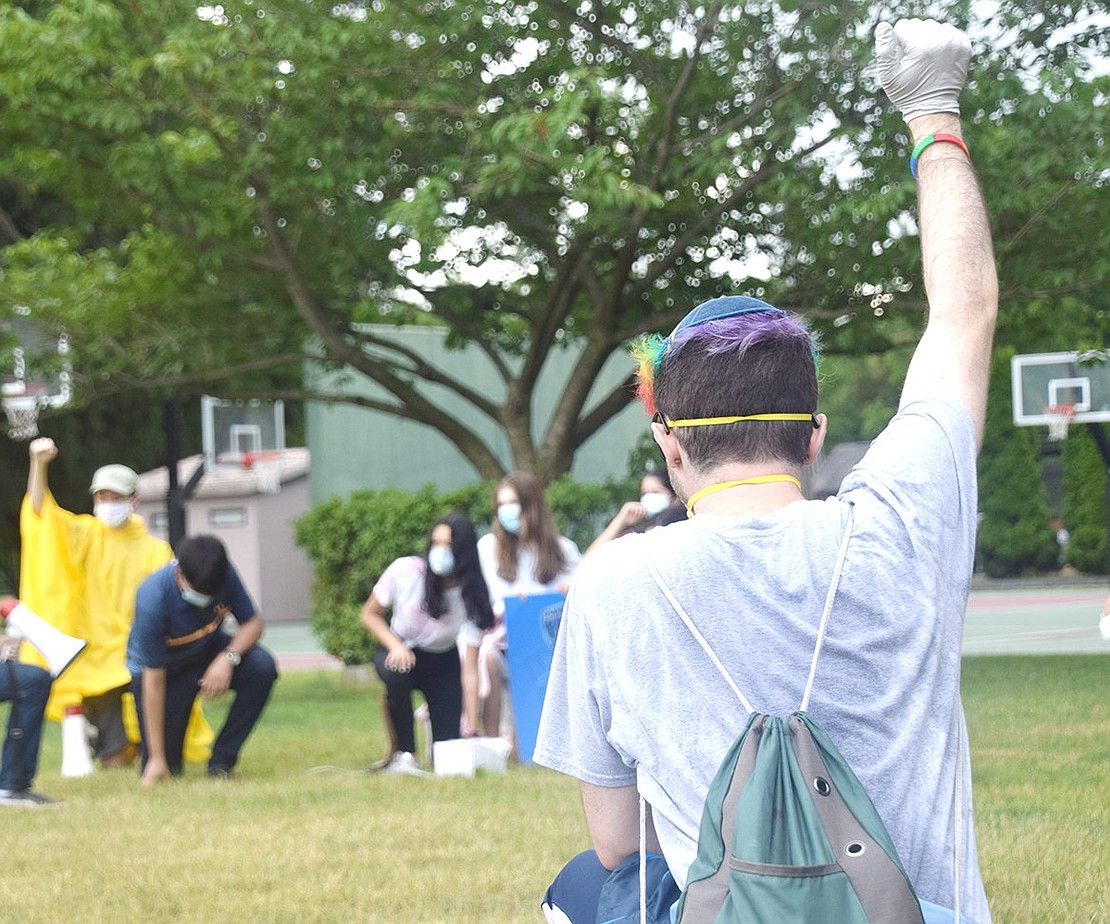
355, 448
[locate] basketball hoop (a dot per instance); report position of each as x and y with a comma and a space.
29, 390
1060, 417
267, 469
22, 411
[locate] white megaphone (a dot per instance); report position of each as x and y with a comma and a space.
75, 743
57, 649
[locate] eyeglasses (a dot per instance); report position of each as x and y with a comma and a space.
669, 425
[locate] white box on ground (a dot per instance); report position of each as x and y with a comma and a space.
465, 756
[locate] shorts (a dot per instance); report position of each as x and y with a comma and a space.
585, 892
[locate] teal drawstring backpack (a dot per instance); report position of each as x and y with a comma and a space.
788, 833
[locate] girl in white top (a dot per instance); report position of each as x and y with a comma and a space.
523, 555
440, 605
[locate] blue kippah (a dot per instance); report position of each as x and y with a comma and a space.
727, 306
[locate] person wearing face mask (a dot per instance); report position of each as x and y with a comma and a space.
80, 573
522, 555
440, 605
178, 648
657, 506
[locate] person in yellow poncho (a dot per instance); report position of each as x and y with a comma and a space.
80, 573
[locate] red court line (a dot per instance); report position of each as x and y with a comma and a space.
1011, 601
1041, 635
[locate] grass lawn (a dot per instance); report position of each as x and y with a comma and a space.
303, 836
1040, 745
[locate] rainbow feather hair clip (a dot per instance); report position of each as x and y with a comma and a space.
648, 352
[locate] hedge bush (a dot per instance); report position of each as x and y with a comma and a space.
1086, 549
1015, 537
1085, 513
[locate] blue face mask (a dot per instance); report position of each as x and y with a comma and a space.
441, 560
195, 598
508, 515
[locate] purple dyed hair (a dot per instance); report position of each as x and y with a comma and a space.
731, 334
757, 362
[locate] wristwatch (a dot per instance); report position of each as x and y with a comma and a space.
234, 657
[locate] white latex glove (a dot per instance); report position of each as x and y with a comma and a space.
922, 65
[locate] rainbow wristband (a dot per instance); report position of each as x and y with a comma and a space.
932, 139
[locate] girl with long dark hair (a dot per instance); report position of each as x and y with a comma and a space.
440, 604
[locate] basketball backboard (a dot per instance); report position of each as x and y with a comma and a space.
1043, 383
235, 431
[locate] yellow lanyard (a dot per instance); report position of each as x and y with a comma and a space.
725, 485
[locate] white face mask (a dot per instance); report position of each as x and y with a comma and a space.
655, 503
112, 513
441, 560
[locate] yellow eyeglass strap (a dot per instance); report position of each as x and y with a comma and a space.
725, 485
709, 421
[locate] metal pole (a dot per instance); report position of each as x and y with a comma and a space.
176, 495
175, 504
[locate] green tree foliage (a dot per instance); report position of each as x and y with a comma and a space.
1015, 537
1034, 100
1085, 513
203, 194
860, 393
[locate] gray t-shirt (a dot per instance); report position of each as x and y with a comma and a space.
633, 699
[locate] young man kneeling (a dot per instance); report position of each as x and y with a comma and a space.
178, 648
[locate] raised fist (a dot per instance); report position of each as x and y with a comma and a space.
42, 449
922, 65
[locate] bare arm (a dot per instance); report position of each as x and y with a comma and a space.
470, 688
399, 657
923, 68
630, 514
219, 674
154, 725
42, 452
961, 283
613, 820
248, 635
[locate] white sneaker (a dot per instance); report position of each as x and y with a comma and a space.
1104, 627
24, 798
404, 764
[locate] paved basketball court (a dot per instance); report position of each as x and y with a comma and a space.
1035, 619
296, 648
1004, 617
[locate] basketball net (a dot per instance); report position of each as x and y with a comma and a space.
23, 398
1060, 417
267, 469
22, 411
